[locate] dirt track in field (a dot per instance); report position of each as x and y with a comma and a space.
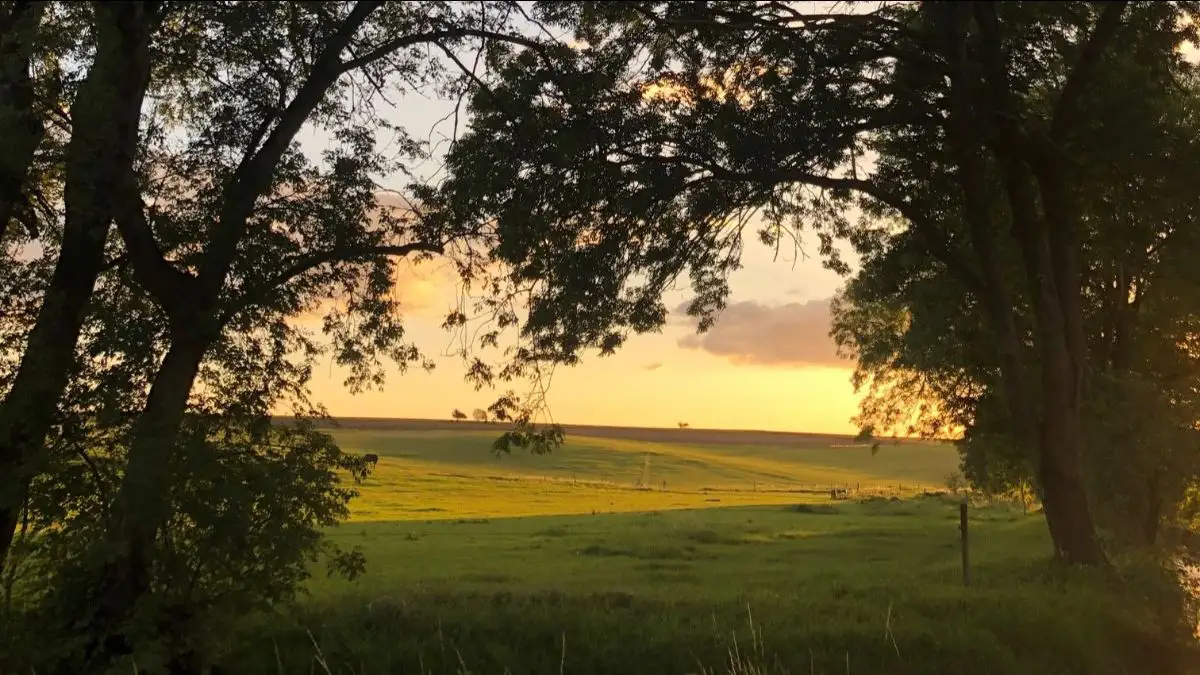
704, 436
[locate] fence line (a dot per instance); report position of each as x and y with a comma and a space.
833, 490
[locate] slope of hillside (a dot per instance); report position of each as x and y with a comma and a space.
681, 465
425, 473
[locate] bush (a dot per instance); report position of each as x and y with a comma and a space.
955, 482
247, 528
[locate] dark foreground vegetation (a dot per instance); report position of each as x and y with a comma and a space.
1035, 621
872, 587
1017, 181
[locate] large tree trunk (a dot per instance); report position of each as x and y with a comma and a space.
143, 504
1059, 323
1060, 471
1154, 508
106, 113
20, 125
1050, 260
1063, 363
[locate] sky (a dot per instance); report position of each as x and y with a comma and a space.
767, 364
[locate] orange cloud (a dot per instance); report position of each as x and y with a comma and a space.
793, 334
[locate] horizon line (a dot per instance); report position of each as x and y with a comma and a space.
614, 427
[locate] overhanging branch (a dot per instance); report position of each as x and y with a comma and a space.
168, 285
257, 166
312, 261
935, 240
433, 37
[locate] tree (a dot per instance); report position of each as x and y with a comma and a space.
925, 361
217, 201
104, 136
679, 122
20, 121
458, 415
480, 415
227, 231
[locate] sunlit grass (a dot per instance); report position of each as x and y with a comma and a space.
437, 475
561, 564
717, 553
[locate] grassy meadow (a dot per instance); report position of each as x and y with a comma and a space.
584, 562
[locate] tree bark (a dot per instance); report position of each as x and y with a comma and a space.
1154, 507
141, 505
106, 113
1050, 264
1060, 469
20, 124
1060, 341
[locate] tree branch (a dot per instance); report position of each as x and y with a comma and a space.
168, 285
435, 36
1085, 67
101, 484
785, 19
254, 172
937, 244
311, 261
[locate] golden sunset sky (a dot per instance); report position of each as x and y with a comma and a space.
768, 364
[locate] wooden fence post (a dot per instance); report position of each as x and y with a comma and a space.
966, 556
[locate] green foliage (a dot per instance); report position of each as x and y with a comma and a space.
230, 232
1145, 451
536, 440
955, 482
926, 358
673, 591
250, 514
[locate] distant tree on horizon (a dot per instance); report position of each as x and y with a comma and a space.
458, 415
480, 415
866, 435
683, 425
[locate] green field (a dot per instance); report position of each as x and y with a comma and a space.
453, 474
581, 562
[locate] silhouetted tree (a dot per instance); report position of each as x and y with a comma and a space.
698, 116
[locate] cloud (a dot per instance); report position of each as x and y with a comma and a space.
653, 366
793, 334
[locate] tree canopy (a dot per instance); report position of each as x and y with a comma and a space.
182, 231
968, 135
